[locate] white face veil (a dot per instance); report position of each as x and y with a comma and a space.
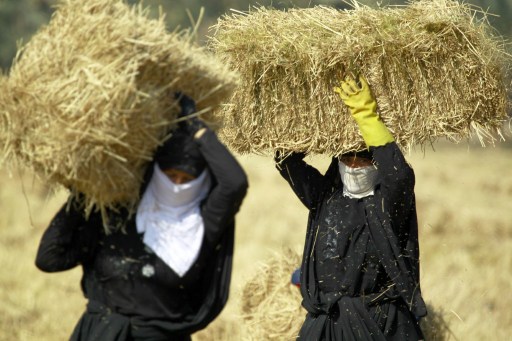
170, 218
358, 182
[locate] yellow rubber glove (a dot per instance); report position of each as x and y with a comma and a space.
363, 108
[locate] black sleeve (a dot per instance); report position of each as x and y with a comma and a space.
397, 183
67, 241
396, 179
305, 180
225, 199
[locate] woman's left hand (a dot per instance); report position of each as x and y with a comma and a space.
190, 122
187, 104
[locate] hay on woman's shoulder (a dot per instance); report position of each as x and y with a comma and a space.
270, 305
436, 70
94, 92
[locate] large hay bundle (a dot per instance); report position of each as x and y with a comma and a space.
93, 94
435, 69
270, 304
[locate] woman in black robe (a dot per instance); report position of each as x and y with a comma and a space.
360, 268
140, 282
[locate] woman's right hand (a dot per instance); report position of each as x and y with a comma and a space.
363, 107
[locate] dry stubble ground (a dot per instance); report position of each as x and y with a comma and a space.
464, 196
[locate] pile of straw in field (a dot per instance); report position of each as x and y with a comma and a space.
223, 328
270, 304
435, 69
435, 325
94, 96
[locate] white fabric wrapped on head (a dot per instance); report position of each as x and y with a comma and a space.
358, 182
169, 216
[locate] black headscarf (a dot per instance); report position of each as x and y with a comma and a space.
365, 154
182, 153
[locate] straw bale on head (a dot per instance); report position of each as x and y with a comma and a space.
270, 304
94, 96
435, 69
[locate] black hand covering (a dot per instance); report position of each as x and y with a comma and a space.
192, 124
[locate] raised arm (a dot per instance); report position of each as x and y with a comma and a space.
225, 199
231, 185
396, 177
66, 242
305, 180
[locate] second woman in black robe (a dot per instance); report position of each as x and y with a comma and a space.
360, 267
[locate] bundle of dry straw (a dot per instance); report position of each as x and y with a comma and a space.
435, 69
270, 304
94, 92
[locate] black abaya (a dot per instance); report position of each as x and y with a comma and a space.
132, 294
360, 267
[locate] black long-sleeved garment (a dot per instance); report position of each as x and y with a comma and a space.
360, 267
132, 294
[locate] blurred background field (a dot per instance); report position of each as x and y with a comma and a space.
464, 195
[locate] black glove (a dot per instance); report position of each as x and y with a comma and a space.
279, 158
187, 104
188, 108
